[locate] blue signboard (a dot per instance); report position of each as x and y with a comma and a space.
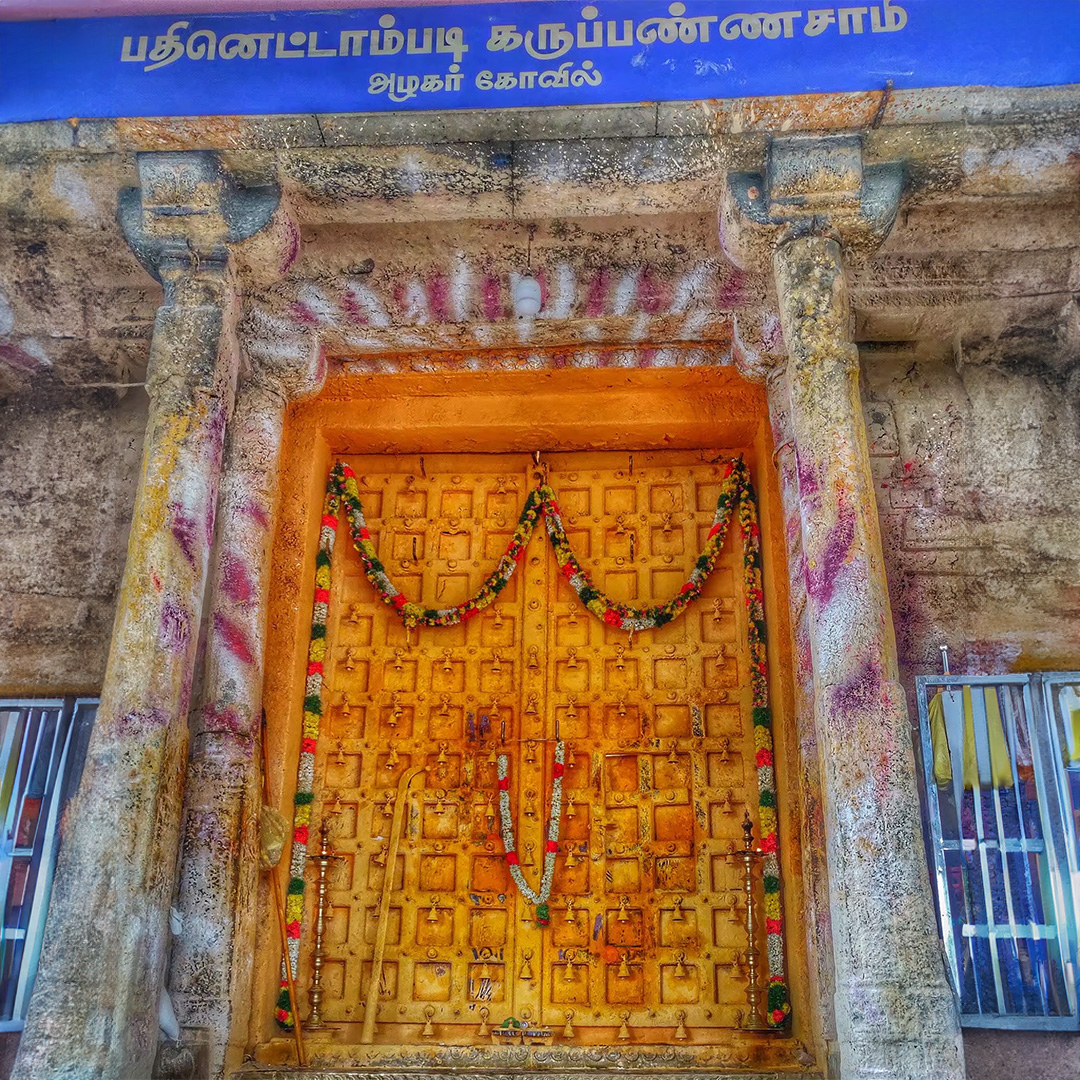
488, 56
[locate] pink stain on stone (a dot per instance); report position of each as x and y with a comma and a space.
438, 291
492, 289
596, 297
174, 631
236, 582
15, 357
303, 314
256, 512
184, 530
292, 246
859, 692
233, 638
732, 293
225, 719
397, 291
821, 579
650, 293
351, 308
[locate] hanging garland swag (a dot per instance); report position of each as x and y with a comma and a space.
735, 491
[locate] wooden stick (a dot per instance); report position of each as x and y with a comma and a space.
279, 906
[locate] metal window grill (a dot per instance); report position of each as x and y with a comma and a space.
42, 748
1001, 757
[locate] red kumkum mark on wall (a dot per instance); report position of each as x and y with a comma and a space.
233, 638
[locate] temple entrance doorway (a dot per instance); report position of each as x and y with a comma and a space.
645, 924
437, 949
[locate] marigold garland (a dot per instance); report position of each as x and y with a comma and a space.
736, 490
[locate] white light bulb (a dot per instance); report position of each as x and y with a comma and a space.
527, 298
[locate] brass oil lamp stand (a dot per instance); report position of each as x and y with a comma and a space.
754, 1020
323, 861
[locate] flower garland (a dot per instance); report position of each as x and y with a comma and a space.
343, 484
778, 1002
737, 490
539, 501
625, 616
551, 847
305, 777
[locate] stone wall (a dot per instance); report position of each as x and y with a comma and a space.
68, 469
978, 474
978, 488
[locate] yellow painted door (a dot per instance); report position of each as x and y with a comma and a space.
644, 928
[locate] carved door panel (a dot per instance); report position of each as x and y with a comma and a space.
644, 926
447, 698
660, 757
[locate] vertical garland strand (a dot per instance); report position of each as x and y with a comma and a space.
778, 1007
305, 774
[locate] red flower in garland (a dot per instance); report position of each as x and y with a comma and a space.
567, 569
346, 470
315, 667
511, 858
300, 834
768, 843
558, 770
322, 596
330, 520
398, 602
364, 534
612, 617
307, 746
763, 757
778, 1016
469, 613
293, 930
772, 926
551, 846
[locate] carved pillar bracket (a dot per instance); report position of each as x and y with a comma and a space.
815, 203
94, 1010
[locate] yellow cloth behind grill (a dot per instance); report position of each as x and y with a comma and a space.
1000, 765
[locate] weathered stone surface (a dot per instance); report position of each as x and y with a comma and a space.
894, 1011
94, 1007
966, 324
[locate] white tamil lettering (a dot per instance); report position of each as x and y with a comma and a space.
351, 42
244, 46
505, 38
387, 41
138, 56
167, 48
296, 39
891, 18
451, 39
549, 42
850, 19
818, 21
313, 46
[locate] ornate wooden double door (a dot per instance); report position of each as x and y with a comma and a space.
647, 938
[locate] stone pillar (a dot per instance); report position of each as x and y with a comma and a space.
211, 966
94, 1010
894, 1008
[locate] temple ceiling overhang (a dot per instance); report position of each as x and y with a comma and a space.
406, 256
